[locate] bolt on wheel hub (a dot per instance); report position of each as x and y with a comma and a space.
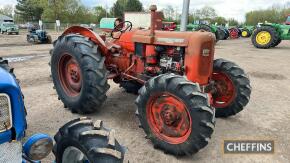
70, 75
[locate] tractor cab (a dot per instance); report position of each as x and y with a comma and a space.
288, 20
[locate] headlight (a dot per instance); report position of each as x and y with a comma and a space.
5, 112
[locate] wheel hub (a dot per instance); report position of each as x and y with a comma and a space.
244, 33
70, 75
224, 92
170, 115
263, 38
169, 118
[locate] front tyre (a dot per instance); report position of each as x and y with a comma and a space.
79, 74
81, 140
175, 115
232, 88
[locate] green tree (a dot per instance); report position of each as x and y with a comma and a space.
168, 12
7, 10
28, 10
100, 13
133, 5
118, 8
219, 20
233, 22
206, 13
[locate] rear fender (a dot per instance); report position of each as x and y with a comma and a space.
90, 34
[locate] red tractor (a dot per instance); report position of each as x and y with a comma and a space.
181, 87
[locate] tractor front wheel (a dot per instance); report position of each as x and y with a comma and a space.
79, 73
232, 88
265, 37
81, 140
246, 33
175, 115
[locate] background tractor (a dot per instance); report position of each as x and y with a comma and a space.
235, 32
247, 31
38, 36
79, 140
269, 35
179, 84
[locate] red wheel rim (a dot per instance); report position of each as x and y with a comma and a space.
169, 118
70, 75
234, 33
225, 90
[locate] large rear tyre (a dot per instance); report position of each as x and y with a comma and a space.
232, 88
265, 37
79, 74
277, 43
175, 115
81, 140
221, 34
234, 33
208, 29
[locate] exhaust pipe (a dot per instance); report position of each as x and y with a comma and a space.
153, 9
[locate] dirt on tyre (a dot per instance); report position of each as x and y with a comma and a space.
79, 74
175, 115
81, 140
232, 88
265, 37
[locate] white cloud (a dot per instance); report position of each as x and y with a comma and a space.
227, 8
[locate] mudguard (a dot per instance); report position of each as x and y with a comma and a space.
87, 33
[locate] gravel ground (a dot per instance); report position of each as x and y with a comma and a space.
265, 117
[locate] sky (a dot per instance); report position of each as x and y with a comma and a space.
226, 8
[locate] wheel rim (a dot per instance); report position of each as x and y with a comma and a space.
263, 37
234, 33
70, 75
224, 90
244, 33
169, 118
73, 155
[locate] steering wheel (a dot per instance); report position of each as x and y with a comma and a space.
122, 27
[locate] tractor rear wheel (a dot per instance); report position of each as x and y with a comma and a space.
175, 115
232, 88
234, 33
79, 73
221, 34
208, 29
277, 43
49, 39
81, 140
265, 37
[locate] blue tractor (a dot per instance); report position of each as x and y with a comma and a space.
79, 140
38, 36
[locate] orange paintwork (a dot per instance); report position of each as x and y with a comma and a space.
198, 68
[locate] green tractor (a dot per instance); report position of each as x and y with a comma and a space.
247, 31
204, 25
269, 35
